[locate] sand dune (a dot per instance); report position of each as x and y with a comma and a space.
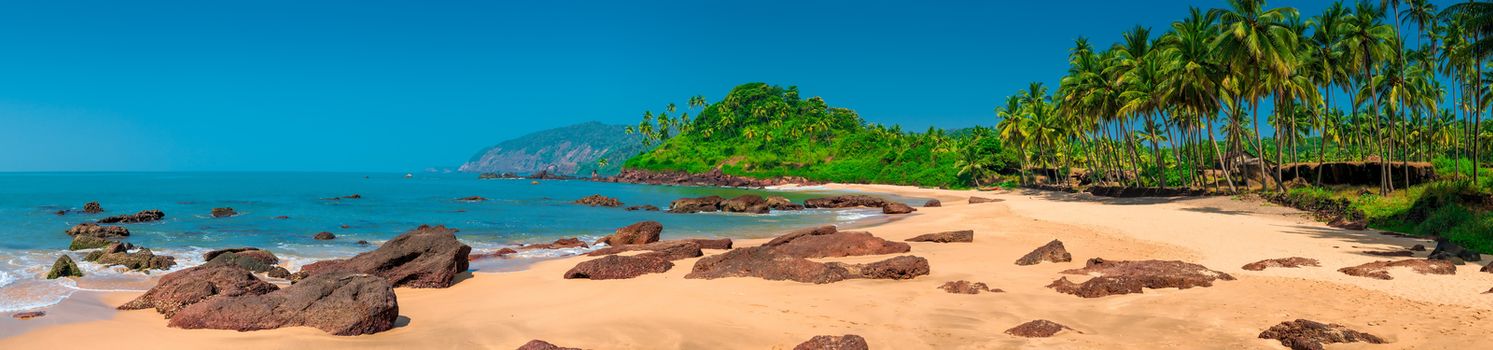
666, 311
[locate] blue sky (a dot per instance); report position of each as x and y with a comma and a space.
404, 85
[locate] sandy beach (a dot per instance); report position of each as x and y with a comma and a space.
666, 311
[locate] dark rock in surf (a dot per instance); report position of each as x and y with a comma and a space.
637, 233
425, 257
142, 216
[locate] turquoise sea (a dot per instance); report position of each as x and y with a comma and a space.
516, 212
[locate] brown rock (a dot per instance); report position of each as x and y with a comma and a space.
897, 208
562, 243
471, 199
142, 216
696, 205
1125, 277
838, 244
337, 303
967, 287
1487, 268
1037, 329
1282, 262
141, 260
96, 230
278, 272
978, 200
619, 267
1380, 269
1344, 223
1392, 253
543, 345
719, 243
961, 236
762, 262
596, 200
493, 254
223, 212
425, 257
324, 236
92, 208
846, 201
749, 203
252, 259
180, 289
28, 315
638, 233
81, 242
782, 203
1050, 252
64, 267
897, 268
932, 203
795, 234
1418, 248
1307, 334
830, 342
645, 207
668, 250
281, 217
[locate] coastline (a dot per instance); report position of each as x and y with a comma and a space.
505, 309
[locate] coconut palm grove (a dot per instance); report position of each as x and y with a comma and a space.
1370, 112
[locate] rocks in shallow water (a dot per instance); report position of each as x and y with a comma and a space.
471, 199
846, 201
782, 203
142, 259
667, 250
142, 216
967, 287
493, 254
619, 267
961, 236
1294, 261
223, 212
978, 200
180, 289
1037, 329
562, 243
597, 200
897, 208
252, 259
64, 267
637, 233
339, 303
1308, 334
92, 208
749, 203
425, 257
1380, 269
1347, 224
28, 315
1125, 277
645, 207
831, 342
96, 230
542, 345
932, 203
324, 235
696, 205
1050, 252
1447, 250
81, 242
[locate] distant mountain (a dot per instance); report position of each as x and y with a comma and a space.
571, 150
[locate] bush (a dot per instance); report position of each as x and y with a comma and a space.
1443, 219
1475, 233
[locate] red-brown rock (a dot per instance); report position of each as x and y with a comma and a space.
762, 262
1037, 329
1125, 277
696, 205
967, 287
339, 303
324, 236
1311, 335
638, 233
782, 203
223, 212
493, 254
961, 236
1294, 261
749, 203
597, 200
897, 268
897, 208
668, 250
839, 244
1343, 223
978, 200
142, 216
99, 231
92, 208
543, 345
846, 201
471, 199
1380, 269
719, 243
619, 267
830, 342
1050, 252
426, 257
28, 315
180, 289
562, 243
932, 203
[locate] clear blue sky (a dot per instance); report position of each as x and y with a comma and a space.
402, 86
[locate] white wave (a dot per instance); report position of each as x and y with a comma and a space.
6, 278
34, 294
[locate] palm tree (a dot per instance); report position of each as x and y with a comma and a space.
1260, 44
1012, 128
1368, 42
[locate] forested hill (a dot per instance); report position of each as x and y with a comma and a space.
571, 150
760, 130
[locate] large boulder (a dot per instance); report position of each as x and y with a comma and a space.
961, 236
782, 203
619, 267
180, 289
1380, 269
846, 201
92, 208
340, 303
1037, 329
1450, 251
425, 257
637, 233
1050, 252
838, 244
81, 242
597, 200
762, 262
1304, 334
897, 208
96, 230
1294, 261
140, 260
831, 342
898, 268
64, 267
696, 205
932, 203
1125, 277
223, 212
142, 216
718, 243
252, 259
749, 203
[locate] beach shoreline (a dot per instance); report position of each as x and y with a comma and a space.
503, 310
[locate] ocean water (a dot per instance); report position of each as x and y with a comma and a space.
516, 212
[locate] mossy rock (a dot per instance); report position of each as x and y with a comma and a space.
64, 267
88, 242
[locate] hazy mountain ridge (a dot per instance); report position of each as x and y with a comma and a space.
569, 150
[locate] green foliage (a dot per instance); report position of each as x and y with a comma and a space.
760, 130
1476, 233
1443, 219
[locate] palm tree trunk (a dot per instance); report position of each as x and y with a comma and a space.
1254, 105
1225, 168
